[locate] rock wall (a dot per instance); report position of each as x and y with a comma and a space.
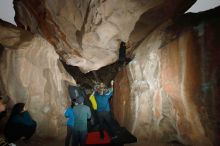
174, 84
31, 72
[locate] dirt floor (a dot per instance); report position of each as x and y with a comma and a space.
36, 141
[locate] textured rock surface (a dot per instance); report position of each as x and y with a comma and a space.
31, 72
168, 93
87, 33
174, 84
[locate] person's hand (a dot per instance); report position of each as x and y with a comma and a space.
25, 108
93, 93
2, 107
112, 82
95, 88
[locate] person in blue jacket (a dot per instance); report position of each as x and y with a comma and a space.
20, 124
69, 114
102, 96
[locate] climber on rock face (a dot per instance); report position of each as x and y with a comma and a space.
122, 59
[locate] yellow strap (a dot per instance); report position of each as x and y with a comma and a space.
93, 101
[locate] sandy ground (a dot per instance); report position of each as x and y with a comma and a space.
36, 141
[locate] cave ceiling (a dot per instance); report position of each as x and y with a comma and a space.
87, 33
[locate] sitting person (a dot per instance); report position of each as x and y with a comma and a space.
2, 115
20, 124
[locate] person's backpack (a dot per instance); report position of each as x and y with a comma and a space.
76, 91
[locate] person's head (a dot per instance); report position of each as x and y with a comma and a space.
80, 100
18, 108
72, 103
101, 88
122, 45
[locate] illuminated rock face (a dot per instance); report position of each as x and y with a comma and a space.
173, 90
87, 33
168, 92
31, 72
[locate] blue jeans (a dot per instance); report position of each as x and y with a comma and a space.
69, 135
79, 137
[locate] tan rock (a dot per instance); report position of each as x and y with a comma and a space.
31, 72
173, 84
